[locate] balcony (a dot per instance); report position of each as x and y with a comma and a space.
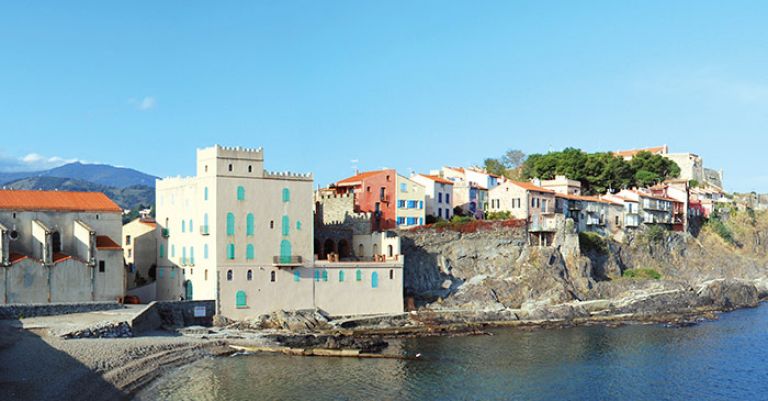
631, 220
384, 198
165, 233
545, 224
287, 261
204, 230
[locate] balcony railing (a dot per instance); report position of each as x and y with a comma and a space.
204, 230
285, 260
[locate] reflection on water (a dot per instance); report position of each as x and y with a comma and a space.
722, 360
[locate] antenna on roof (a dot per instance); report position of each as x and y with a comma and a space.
354, 165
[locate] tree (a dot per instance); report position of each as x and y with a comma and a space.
495, 166
513, 158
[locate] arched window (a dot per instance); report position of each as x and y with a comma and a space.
230, 224
297, 276
230, 167
249, 224
341, 276
286, 225
229, 275
240, 193
286, 195
359, 275
249, 252
374, 280
250, 169
240, 300
325, 275
249, 275
272, 276
360, 251
231, 251
205, 192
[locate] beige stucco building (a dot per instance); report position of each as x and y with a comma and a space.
244, 236
59, 247
409, 210
438, 193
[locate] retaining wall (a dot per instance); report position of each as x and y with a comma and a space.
16, 311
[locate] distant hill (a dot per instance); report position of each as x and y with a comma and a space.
101, 174
132, 197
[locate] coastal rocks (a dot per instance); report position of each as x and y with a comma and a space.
104, 330
301, 321
370, 345
729, 294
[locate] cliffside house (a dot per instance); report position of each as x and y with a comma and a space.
438, 193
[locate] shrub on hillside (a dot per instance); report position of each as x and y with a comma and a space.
592, 242
642, 274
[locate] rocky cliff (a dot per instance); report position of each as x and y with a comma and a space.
494, 268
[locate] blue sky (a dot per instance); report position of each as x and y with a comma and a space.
410, 85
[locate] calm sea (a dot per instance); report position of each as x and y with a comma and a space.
720, 360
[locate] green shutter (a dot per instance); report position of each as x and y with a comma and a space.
162, 250
341, 276
240, 193
240, 300
286, 195
286, 225
231, 251
359, 275
249, 252
249, 224
230, 224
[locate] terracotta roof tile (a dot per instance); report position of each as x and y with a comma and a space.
105, 243
435, 178
59, 257
355, 179
632, 152
16, 257
57, 201
530, 187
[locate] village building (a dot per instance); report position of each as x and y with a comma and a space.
691, 165
244, 236
393, 200
526, 201
655, 209
591, 213
438, 195
58, 246
561, 185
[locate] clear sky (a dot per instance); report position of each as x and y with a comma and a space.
403, 84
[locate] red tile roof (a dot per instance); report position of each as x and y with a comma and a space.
356, 179
60, 257
57, 201
585, 198
632, 152
105, 243
435, 178
16, 257
530, 187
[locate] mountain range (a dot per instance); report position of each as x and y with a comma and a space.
129, 188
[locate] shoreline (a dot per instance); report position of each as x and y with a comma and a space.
120, 368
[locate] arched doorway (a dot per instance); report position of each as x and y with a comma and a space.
375, 249
343, 249
360, 251
329, 247
56, 242
188, 290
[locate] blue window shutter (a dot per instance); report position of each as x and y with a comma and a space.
374, 280
317, 275
205, 193
230, 224
297, 276
325, 275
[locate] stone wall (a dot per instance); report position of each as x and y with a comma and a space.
16, 311
172, 314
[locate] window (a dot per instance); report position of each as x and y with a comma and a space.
410, 221
183, 255
191, 226
421, 204
367, 189
533, 202
250, 169
173, 273
401, 220
231, 251
205, 274
205, 223
240, 300
205, 251
439, 212
325, 275
297, 276
249, 252
374, 280
249, 225
391, 274
341, 276
412, 204
183, 226
298, 225
359, 275
286, 225
205, 193
403, 187
230, 224
240, 193
162, 250
206, 168
173, 251
387, 178
286, 195
447, 198
127, 240
249, 275
160, 272
102, 266
401, 203
421, 221
229, 275
439, 197
272, 276
230, 167
272, 224
317, 275
192, 255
